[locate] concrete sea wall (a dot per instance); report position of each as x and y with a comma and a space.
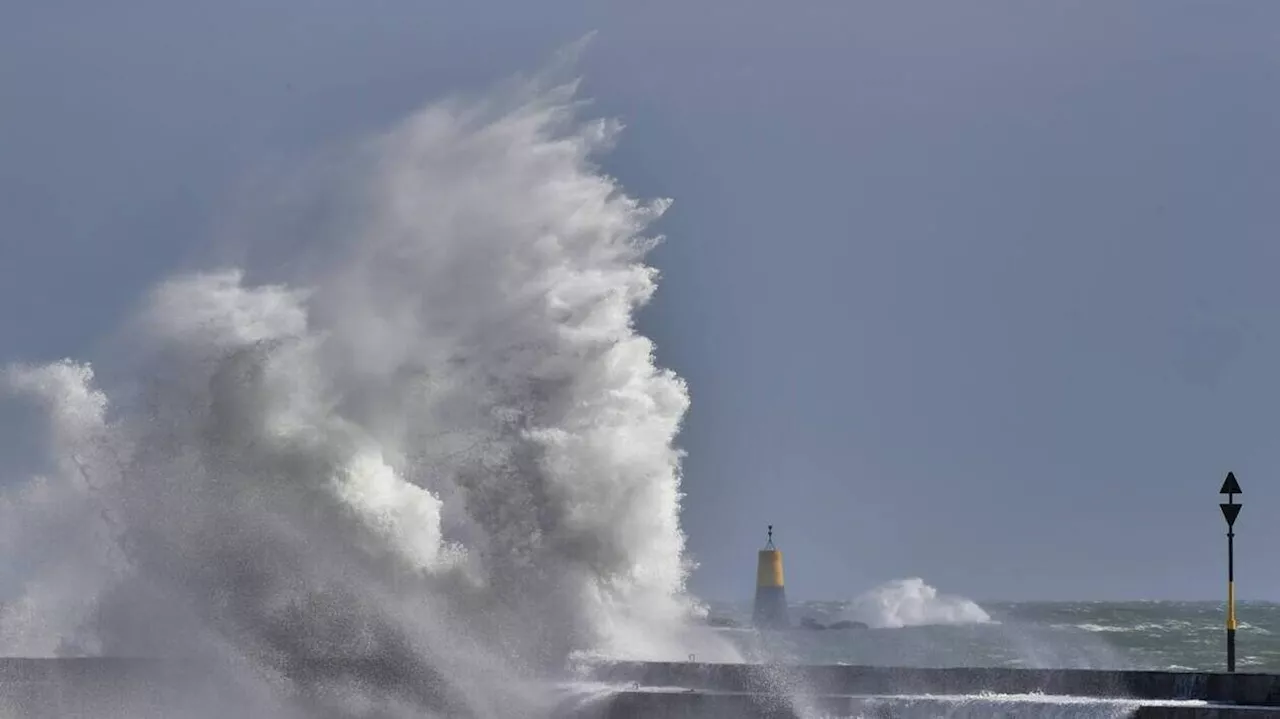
119, 688
137, 688
1253, 689
700, 705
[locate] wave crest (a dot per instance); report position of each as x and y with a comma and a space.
912, 603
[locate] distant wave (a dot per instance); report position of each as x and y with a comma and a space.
912, 603
1163, 627
1104, 628
1144, 627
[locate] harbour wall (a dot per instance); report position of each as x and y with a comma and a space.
1239, 688
700, 705
137, 688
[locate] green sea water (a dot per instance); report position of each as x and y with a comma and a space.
1161, 635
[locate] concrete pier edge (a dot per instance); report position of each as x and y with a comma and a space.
689, 689
1238, 688
703, 705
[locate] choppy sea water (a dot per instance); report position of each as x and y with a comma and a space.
1161, 635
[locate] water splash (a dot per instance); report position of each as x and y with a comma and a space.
912, 603
442, 444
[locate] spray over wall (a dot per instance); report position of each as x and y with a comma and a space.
441, 444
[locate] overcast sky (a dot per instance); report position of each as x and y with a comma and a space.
983, 293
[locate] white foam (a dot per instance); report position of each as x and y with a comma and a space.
443, 439
910, 603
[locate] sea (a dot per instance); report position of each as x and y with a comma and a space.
1156, 635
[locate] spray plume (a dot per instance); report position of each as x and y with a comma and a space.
442, 446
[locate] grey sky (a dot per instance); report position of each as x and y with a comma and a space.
982, 293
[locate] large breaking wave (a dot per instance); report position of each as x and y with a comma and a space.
442, 442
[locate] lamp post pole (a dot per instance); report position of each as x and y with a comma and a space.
1231, 510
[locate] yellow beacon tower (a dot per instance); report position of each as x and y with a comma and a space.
770, 610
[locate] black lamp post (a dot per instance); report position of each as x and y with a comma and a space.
1231, 510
